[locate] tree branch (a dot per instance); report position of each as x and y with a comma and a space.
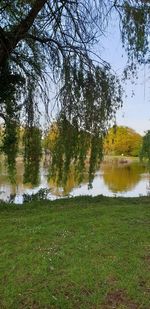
18, 32
21, 29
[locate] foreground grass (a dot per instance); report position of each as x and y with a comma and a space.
76, 253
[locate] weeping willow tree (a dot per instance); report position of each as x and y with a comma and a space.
90, 99
43, 40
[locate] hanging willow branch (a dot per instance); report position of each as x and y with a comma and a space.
88, 99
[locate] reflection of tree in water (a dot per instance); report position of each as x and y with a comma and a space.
4, 176
6, 185
122, 177
72, 181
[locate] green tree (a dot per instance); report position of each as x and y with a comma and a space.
122, 140
145, 150
50, 137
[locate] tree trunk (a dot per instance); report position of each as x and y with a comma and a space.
9, 40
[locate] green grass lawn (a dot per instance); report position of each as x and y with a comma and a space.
76, 253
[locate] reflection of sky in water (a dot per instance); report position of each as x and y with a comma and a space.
99, 186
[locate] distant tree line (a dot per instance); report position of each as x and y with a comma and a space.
118, 140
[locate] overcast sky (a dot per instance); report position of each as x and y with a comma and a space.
136, 109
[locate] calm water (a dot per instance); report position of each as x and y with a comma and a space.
113, 179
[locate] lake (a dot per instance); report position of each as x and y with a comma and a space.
114, 178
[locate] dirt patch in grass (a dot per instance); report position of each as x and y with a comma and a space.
118, 299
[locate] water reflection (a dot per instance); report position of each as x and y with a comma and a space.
67, 187
122, 177
128, 179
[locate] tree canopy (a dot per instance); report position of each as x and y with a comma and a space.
43, 40
122, 140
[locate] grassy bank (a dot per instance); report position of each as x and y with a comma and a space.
112, 158
77, 253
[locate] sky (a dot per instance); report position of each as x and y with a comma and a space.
136, 109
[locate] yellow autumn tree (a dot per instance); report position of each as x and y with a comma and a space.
51, 136
122, 140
